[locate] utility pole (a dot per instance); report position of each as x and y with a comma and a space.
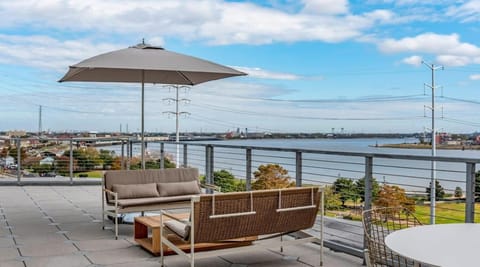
433, 68
177, 114
40, 121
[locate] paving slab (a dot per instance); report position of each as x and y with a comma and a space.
47, 249
14, 263
6, 242
102, 244
179, 261
255, 256
7, 254
71, 260
130, 255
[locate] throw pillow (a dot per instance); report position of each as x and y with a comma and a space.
135, 190
178, 188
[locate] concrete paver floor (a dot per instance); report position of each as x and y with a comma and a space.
61, 226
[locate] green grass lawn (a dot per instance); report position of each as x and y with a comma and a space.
445, 213
91, 174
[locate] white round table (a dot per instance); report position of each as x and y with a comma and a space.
446, 245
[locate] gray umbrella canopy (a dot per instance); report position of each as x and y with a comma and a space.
147, 64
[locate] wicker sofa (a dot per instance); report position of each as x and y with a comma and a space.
266, 213
126, 191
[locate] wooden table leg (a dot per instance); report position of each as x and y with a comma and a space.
140, 230
156, 240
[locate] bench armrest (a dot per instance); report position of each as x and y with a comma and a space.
173, 217
211, 186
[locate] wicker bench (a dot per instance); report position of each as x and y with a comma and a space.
126, 191
255, 213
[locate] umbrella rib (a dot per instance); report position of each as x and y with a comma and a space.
185, 77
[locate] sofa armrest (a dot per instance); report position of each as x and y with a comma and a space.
110, 192
211, 186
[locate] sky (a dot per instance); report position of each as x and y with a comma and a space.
313, 65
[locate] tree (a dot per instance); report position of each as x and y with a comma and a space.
225, 180
136, 164
394, 196
439, 191
107, 157
477, 185
332, 200
63, 165
360, 188
43, 169
271, 176
345, 189
13, 153
458, 192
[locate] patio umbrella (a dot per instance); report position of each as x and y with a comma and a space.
144, 63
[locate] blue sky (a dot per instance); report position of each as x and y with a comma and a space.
313, 65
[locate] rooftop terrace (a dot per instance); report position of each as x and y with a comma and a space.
61, 226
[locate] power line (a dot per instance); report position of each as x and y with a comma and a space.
266, 114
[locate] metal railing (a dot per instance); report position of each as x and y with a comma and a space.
410, 173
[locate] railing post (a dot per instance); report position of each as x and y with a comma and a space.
128, 155
298, 169
212, 163
248, 164
162, 156
470, 194
209, 165
185, 157
71, 161
123, 155
130, 143
19, 161
367, 204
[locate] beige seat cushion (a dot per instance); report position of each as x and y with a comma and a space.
151, 200
179, 228
178, 188
126, 191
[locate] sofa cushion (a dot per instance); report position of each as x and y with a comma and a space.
178, 188
179, 228
126, 191
151, 201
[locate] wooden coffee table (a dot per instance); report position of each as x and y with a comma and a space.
151, 242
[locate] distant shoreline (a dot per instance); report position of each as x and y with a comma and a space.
427, 146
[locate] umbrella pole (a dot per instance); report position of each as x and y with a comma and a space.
143, 120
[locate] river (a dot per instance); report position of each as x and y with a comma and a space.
412, 175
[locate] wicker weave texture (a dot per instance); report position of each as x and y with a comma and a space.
378, 223
266, 219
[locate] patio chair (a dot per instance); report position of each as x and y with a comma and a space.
378, 223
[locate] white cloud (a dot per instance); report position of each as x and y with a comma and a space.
46, 52
265, 74
454, 61
213, 21
448, 48
413, 60
475, 77
468, 11
325, 6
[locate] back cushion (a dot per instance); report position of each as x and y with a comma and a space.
135, 190
180, 188
148, 176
